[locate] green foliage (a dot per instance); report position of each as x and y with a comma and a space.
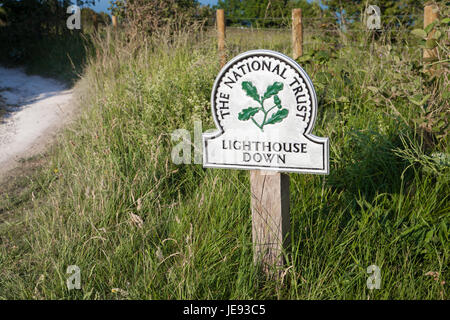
316, 56
266, 13
149, 17
117, 8
88, 16
434, 118
36, 18
35, 35
354, 9
420, 33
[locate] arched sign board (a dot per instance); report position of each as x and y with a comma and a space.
264, 106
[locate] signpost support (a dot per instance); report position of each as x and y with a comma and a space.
270, 217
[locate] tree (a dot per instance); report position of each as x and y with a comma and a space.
150, 16
25, 23
34, 18
399, 7
350, 10
265, 12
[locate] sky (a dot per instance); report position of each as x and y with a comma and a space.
102, 5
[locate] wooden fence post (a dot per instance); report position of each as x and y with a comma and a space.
297, 33
220, 17
114, 21
430, 14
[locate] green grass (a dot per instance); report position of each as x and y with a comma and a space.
385, 202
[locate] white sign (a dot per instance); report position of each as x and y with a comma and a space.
264, 106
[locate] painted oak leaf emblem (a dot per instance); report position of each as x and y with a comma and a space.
278, 116
271, 91
247, 113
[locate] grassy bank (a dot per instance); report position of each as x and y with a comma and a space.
110, 200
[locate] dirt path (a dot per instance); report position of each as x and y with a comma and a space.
34, 108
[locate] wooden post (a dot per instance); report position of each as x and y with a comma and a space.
297, 33
430, 14
220, 16
114, 21
270, 218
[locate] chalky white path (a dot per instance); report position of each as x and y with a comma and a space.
36, 107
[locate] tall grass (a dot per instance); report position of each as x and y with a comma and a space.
111, 201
